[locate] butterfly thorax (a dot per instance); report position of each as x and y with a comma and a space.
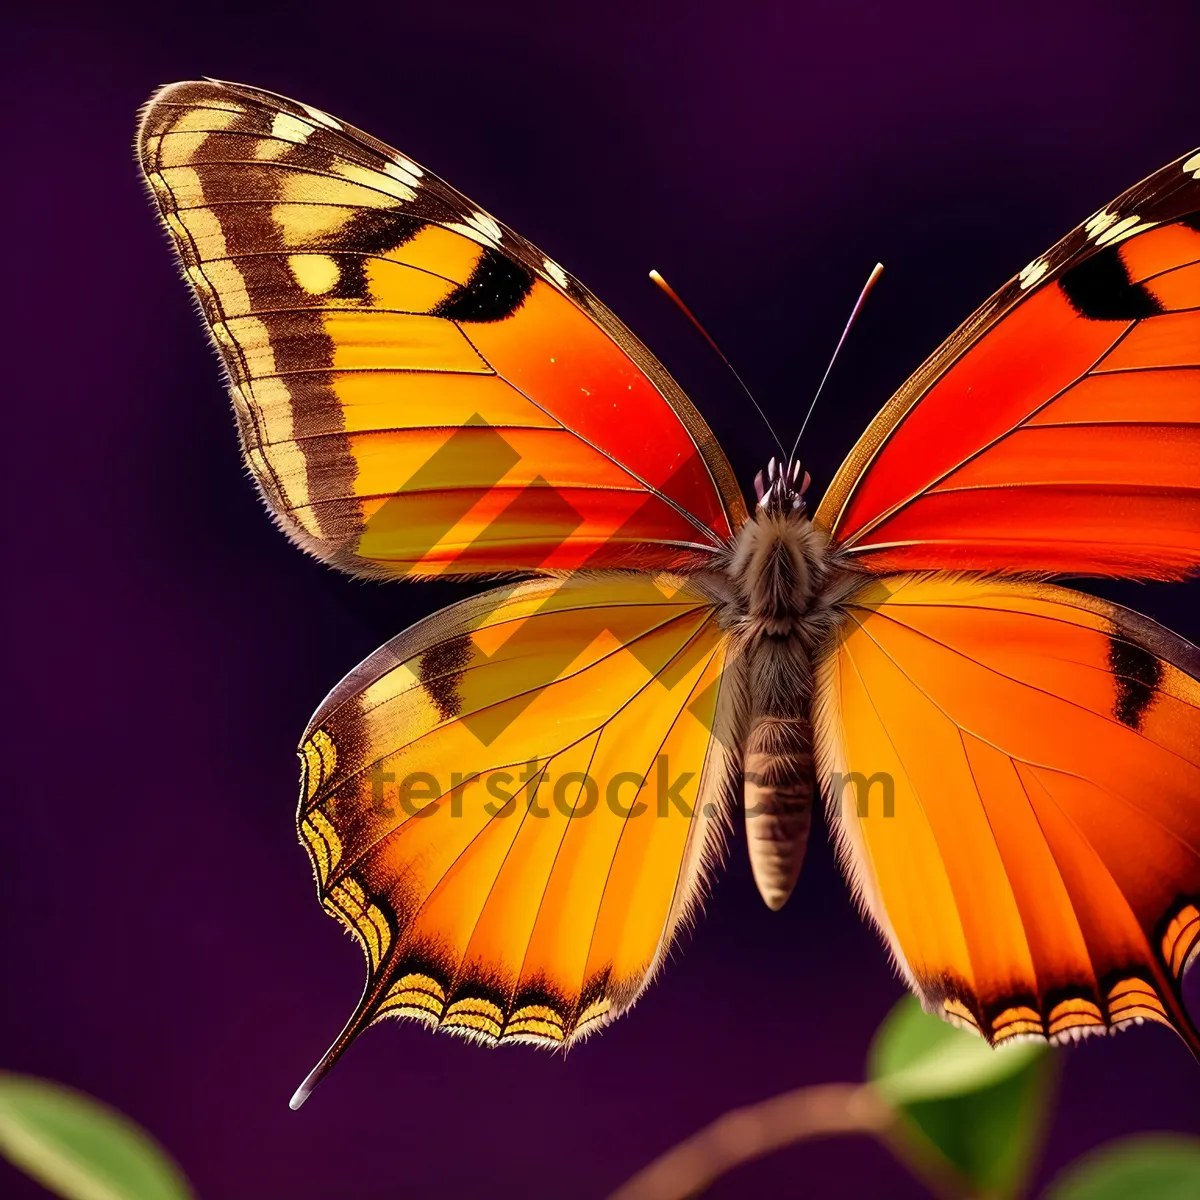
781, 581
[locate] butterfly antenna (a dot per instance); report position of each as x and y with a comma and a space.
862, 296
691, 316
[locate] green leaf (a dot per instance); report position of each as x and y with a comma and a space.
983, 1109
1151, 1167
79, 1148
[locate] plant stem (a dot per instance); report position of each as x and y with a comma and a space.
745, 1134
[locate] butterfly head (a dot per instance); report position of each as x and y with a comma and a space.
780, 489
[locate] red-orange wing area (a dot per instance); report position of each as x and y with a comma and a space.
418, 389
1013, 771
1058, 430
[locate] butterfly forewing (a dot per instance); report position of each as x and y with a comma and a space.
1058, 429
418, 389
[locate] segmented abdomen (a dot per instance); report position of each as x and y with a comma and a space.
778, 789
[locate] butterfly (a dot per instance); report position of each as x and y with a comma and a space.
515, 804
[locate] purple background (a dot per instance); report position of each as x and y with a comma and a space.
162, 947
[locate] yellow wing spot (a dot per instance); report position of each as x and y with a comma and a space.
328, 750
1133, 998
184, 183
478, 227
394, 182
253, 339
215, 115
1018, 1029
555, 272
320, 759
318, 848
283, 477
270, 149
1192, 166
1072, 1014
347, 901
306, 188
477, 1014
422, 983
315, 273
536, 1020
534, 1030
324, 843
202, 227
411, 173
300, 224
1124, 228
223, 279
322, 825
416, 1007
414, 995
1182, 936
1032, 273
958, 1013
1020, 1019
291, 129
593, 1013
276, 424
176, 147
1099, 222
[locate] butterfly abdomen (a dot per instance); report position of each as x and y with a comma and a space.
779, 569
779, 783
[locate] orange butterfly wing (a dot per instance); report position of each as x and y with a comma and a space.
418, 389
511, 804
1058, 429
1023, 826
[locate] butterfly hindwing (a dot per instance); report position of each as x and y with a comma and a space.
419, 391
1013, 771
511, 803
1058, 429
